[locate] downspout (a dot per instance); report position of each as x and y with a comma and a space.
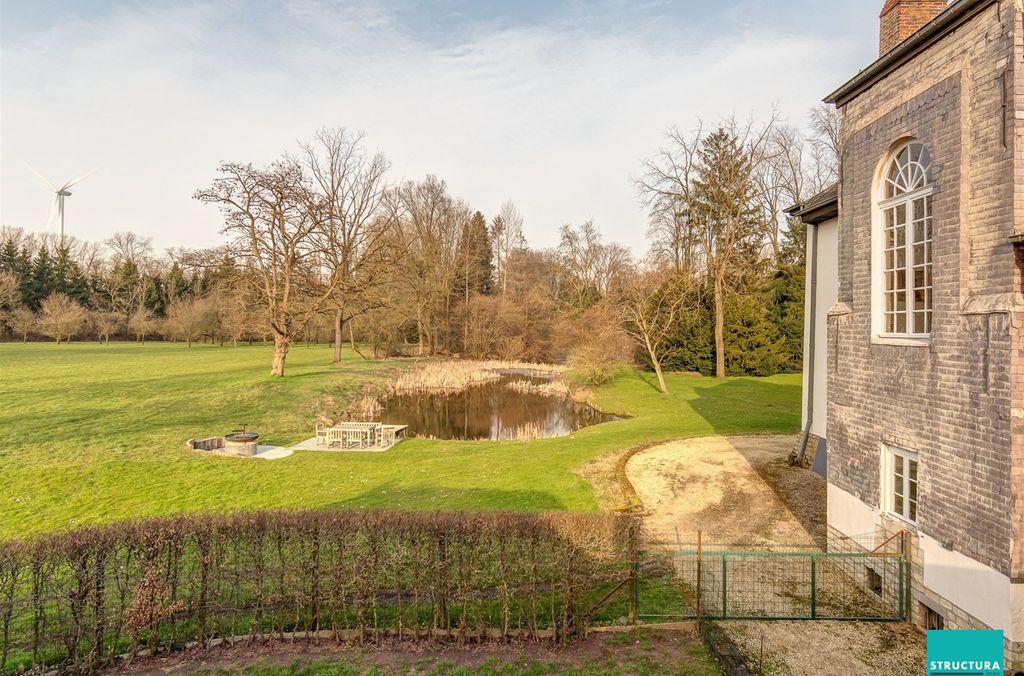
812, 321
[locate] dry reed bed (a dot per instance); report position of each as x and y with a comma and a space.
74, 601
454, 376
550, 388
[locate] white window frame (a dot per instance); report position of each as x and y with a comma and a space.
880, 205
893, 458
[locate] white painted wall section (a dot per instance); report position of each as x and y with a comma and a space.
848, 515
981, 591
828, 294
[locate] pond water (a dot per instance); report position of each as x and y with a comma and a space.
490, 411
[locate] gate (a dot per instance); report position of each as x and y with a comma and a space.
692, 582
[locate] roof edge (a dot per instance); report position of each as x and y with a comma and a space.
954, 16
819, 208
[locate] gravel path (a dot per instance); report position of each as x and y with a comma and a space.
717, 484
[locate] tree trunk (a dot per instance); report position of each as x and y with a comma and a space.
719, 326
352, 340
339, 338
652, 353
281, 344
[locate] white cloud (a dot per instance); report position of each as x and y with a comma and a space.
555, 116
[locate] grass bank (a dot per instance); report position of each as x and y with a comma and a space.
90, 434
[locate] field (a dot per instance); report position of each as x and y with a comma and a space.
91, 433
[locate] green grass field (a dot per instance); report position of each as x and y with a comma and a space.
91, 433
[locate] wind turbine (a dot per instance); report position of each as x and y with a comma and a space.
58, 197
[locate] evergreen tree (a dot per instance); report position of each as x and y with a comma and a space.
476, 270
726, 217
41, 279
177, 287
68, 277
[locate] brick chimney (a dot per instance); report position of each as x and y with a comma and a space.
902, 18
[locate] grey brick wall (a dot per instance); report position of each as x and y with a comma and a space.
950, 400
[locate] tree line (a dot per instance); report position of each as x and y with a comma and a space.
323, 245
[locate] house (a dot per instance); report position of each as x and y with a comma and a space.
924, 342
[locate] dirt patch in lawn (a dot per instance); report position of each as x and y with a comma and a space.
641, 651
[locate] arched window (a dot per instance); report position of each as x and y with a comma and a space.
906, 207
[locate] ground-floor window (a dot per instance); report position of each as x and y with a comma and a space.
900, 482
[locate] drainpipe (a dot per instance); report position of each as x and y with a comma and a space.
812, 321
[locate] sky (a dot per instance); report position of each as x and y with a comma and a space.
553, 104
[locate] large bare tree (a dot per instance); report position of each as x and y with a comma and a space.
277, 226
358, 220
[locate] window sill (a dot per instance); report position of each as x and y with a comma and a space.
906, 341
902, 520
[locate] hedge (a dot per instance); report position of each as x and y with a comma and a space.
77, 600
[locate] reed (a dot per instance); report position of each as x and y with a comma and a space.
549, 388
454, 376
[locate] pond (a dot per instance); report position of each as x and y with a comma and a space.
490, 411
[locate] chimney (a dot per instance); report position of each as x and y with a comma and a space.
902, 18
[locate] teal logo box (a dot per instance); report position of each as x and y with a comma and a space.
965, 653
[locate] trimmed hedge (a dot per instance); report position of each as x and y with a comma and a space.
78, 599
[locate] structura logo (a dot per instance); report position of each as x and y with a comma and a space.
965, 653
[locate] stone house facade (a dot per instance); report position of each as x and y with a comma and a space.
925, 353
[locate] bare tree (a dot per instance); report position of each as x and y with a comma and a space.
506, 236
61, 317
142, 323
591, 266
277, 226
666, 187
128, 247
106, 324
358, 221
10, 292
191, 318
825, 124
22, 322
647, 308
432, 223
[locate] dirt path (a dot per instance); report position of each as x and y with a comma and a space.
715, 484
740, 491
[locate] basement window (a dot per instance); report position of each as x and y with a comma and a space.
874, 581
931, 619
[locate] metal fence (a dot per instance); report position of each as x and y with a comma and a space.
682, 581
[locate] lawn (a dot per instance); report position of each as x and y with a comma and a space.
91, 433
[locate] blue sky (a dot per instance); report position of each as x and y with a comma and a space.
553, 104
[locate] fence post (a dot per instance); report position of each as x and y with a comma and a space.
908, 575
634, 573
700, 563
814, 586
725, 587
